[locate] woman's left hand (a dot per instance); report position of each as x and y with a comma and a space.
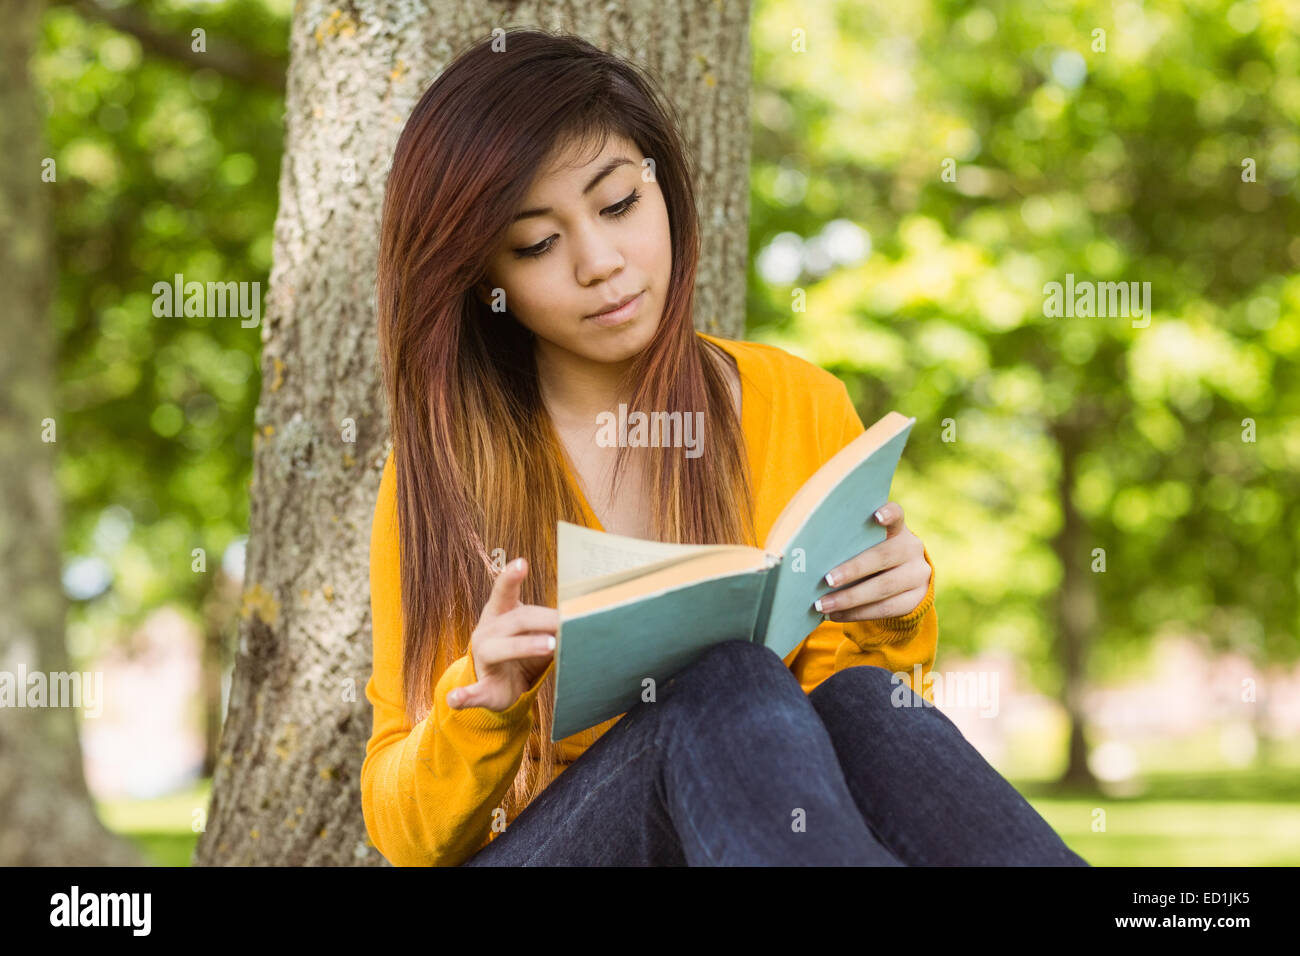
899, 575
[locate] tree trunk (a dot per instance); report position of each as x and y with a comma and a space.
1075, 607
47, 817
287, 788
220, 606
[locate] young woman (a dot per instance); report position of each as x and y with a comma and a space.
536, 267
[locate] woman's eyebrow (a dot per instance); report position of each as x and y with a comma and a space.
605, 170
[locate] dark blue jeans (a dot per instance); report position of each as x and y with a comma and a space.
734, 765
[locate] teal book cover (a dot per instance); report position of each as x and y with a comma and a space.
634, 612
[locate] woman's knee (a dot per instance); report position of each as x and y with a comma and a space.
866, 691
875, 701
732, 664
733, 681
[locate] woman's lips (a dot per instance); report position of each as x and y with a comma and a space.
621, 314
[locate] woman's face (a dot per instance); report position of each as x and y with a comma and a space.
587, 236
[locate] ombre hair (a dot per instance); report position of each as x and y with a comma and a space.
478, 462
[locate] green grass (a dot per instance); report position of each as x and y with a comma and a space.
161, 828
1177, 833
1225, 817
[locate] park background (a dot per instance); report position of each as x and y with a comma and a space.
916, 174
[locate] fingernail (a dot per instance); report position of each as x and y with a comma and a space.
830, 578
519, 564
878, 515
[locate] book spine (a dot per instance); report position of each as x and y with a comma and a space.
765, 604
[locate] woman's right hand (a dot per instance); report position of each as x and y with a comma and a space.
509, 645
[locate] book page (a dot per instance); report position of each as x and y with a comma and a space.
589, 559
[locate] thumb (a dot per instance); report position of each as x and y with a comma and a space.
890, 515
462, 696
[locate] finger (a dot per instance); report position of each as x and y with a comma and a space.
527, 617
512, 647
878, 557
505, 588
891, 516
897, 606
881, 587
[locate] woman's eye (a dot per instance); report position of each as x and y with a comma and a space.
616, 211
624, 207
532, 252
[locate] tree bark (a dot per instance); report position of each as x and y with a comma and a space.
287, 789
47, 817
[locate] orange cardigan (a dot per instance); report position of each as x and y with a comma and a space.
428, 792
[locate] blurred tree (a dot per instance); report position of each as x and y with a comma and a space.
237, 61
46, 814
165, 122
1086, 482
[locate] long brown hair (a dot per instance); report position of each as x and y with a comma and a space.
478, 461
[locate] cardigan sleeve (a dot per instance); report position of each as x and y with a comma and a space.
906, 644
429, 791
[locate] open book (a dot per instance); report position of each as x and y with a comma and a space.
632, 610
